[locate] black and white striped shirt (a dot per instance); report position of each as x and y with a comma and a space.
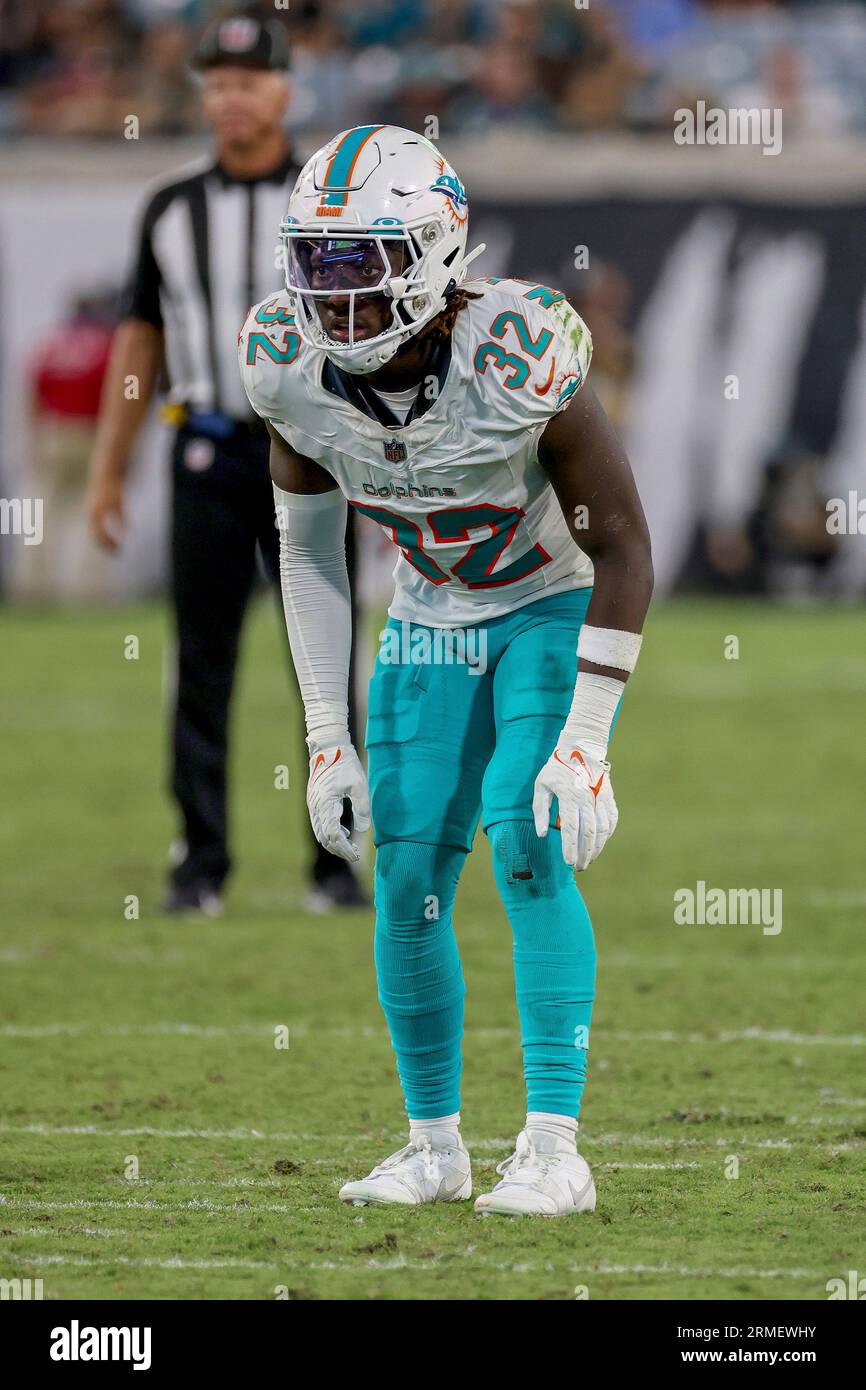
207, 251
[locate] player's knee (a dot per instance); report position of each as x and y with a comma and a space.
525, 863
415, 885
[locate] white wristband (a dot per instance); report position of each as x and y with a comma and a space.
608, 646
596, 699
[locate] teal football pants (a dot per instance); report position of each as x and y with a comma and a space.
449, 744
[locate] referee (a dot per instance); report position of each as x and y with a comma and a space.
206, 251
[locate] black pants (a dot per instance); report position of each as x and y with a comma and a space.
223, 506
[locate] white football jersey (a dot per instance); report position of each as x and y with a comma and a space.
458, 488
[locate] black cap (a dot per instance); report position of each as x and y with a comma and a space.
242, 42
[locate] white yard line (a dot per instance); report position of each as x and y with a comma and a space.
506, 1143
768, 1035
264, 1030
654, 1167
133, 1204
131, 1030
174, 1262
584, 1271
134, 1184
675, 1141
73, 1232
401, 1262
149, 1131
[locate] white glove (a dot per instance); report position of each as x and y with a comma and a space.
336, 772
587, 810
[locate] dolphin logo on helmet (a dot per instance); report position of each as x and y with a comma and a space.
450, 185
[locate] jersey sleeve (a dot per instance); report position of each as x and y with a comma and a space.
141, 293
573, 353
268, 349
246, 364
532, 348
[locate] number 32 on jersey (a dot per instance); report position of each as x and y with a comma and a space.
453, 524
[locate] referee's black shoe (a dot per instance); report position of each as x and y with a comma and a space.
192, 900
334, 886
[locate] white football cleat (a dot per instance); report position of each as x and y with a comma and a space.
540, 1184
415, 1174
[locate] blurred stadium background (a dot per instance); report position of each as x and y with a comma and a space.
561, 121
693, 266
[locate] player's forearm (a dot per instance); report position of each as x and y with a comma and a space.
622, 589
609, 644
128, 389
591, 476
317, 605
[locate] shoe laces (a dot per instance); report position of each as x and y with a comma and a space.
422, 1147
526, 1164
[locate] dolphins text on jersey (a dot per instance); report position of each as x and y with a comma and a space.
458, 488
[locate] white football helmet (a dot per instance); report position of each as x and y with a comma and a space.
374, 236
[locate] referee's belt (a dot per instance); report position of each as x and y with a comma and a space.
212, 424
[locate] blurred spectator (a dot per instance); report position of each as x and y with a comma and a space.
77, 67
79, 81
506, 90
783, 547
458, 22
165, 98
323, 93
66, 375
647, 24
599, 91
383, 21
603, 299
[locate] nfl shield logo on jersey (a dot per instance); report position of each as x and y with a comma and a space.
395, 451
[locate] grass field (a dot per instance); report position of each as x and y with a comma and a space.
148, 1045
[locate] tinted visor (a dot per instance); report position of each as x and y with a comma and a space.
332, 264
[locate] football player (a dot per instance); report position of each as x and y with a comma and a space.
453, 413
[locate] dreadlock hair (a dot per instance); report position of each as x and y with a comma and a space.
456, 300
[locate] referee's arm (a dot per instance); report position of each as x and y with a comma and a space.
130, 383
